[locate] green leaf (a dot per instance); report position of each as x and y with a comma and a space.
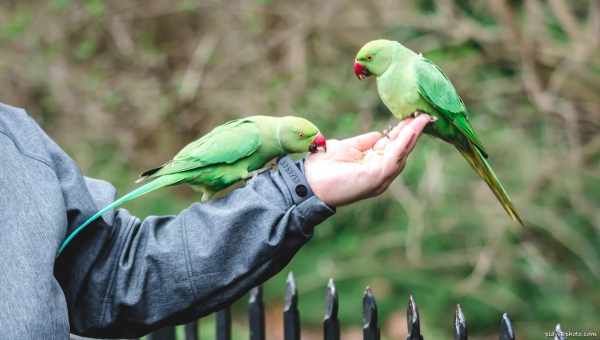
17, 25
85, 50
94, 7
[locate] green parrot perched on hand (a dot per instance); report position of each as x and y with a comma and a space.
228, 154
409, 84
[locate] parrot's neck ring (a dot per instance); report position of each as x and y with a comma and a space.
278, 134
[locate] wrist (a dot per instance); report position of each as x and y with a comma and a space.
312, 209
317, 186
294, 174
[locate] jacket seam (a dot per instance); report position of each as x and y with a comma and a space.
187, 255
23, 152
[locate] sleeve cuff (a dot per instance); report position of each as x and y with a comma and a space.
309, 208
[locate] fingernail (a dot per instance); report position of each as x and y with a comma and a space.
433, 118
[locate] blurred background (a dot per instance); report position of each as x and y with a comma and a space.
123, 85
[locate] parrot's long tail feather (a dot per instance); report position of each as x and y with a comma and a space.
484, 170
144, 189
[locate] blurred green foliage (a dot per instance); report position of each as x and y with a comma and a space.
123, 85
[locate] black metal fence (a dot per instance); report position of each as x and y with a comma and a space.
331, 324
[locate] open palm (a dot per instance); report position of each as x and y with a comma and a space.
363, 166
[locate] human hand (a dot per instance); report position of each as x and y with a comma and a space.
360, 167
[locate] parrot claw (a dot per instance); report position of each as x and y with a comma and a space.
386, 132
272, 166
417, 113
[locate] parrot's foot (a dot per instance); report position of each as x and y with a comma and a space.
418, 113
386, 131
206, 196
270, 167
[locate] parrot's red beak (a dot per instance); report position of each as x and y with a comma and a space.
318, 142
361, 71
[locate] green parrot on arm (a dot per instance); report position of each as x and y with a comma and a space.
410, 84
225, 156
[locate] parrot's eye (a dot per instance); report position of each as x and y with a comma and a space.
369, 58
301, 134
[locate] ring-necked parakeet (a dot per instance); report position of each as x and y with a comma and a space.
408, 83
225, 156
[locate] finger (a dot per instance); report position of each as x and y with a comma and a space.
362, 142
399, 148
396, 130
407, 138
383, 142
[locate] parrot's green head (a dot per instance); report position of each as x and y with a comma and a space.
374, 58
298, 135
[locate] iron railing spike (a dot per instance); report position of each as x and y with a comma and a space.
506, 329
558, 333
291, 292
370, 317
291, 315
331, 324
331, 300
460, 325
255, 294
413, 322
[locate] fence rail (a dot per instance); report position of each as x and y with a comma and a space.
331, 323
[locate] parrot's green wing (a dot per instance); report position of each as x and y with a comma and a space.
225, 144
438, 91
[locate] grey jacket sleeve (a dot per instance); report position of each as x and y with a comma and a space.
126, 277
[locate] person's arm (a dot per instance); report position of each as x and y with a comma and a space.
125, 277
